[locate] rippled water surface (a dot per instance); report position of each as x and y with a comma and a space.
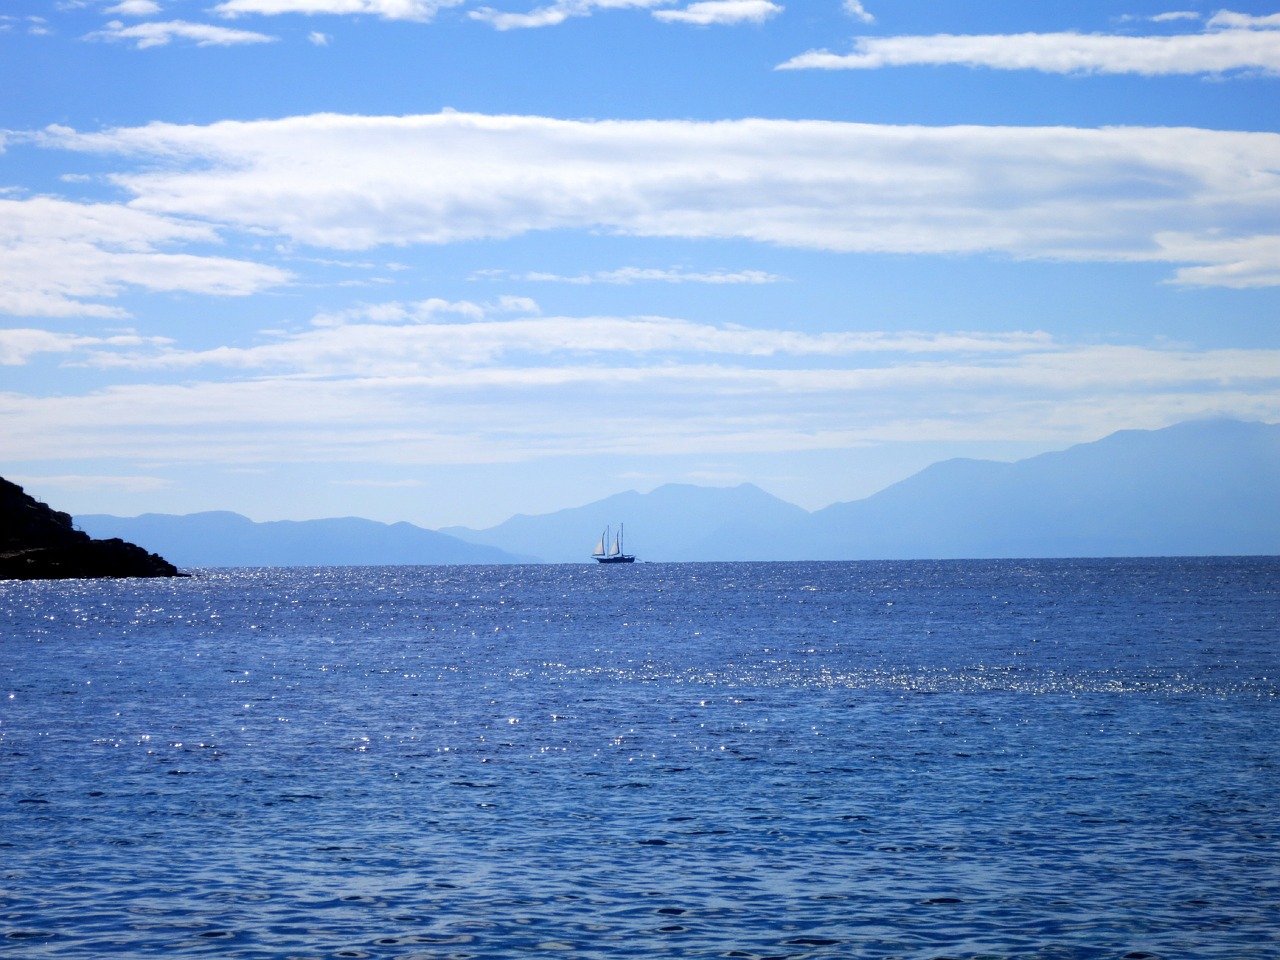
912, 760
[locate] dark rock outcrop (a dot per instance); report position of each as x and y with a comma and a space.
40, 543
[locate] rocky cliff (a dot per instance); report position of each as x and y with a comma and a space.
40, 543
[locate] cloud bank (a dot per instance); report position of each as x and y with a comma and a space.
436, 381
1205, 201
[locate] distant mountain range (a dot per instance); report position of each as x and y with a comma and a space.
674, 522
222, 539
1195, 489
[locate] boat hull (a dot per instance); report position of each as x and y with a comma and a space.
615, 559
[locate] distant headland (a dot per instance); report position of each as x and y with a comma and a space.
40, 543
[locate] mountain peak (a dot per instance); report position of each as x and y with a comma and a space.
1198, 488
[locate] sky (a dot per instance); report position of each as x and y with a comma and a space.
447, 261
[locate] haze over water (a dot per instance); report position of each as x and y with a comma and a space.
1030, 759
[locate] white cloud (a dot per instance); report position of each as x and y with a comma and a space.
1203, 53
856, 10
318, 39
159, 34
1227, 19
419, 10
451, 342
557, 12
462, 383
1174, 15
716, 12
19, 346
510, 304
56, 257
135, 8
36, 26
351, 183
430, 310
1238, 262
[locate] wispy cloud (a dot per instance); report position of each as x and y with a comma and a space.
451, 341
1237, 262
1059, 193
135, 8
158, 34
20, 346
712, 12
439, 382
702, 13
417, 10
1245, 21
856, 10
558, 12
35, 26
1243, 47
58, 259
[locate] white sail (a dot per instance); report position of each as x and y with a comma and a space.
611, 548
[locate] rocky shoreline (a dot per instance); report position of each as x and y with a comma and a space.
40, 543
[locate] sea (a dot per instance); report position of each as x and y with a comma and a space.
1056, 759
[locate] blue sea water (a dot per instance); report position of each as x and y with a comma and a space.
1013, 759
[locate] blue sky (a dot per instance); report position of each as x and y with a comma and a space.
450, 261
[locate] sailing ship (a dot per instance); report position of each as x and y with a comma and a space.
610, 551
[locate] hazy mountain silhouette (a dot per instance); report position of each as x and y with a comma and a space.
1204, 488
222, 539
674, 522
